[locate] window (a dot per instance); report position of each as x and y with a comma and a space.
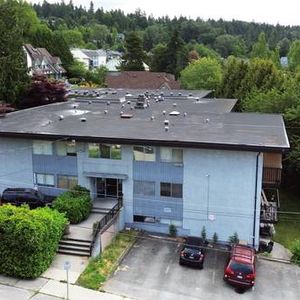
145, 219
173, 222
144, 188
171, 155
42, 147
44, 179
144, 153
66, 182
173, 190
105, 151
66, 148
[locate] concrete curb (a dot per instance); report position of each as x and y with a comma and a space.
274, 259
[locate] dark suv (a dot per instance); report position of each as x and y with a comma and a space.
193, 252
19, 196
240, 268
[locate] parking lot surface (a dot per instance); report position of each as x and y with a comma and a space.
151, 271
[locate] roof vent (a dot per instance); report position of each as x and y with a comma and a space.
190, 94
121, 113
179, 94
90, 102
166, 122
140, 102
207, 120
123, 105
75, 105
185, 114
174, 113
171, 94
152, 118
61, 117
166, 128
128, 102
126, 116
105, 111
108, 102
83, 119
164, 112
197, 99
174, 104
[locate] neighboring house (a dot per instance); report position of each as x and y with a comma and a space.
40, 61
142, 80
284, 61
91, 58
174, 156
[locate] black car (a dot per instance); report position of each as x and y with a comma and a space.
193, 252
19, 196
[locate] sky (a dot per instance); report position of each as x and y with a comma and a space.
262, 11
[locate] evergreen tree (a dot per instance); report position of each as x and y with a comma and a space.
261, 48
158, 63
134, 55
294, 55
13, 69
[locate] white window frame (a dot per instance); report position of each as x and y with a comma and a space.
172, 156
144, 153
44, 177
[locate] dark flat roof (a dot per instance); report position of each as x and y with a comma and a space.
201, 124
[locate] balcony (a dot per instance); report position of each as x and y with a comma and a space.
271, 177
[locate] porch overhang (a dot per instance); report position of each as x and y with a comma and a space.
105, 175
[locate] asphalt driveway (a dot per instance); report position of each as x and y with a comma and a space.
151, 271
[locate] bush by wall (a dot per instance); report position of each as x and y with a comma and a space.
75, 203
296, 252
29, 239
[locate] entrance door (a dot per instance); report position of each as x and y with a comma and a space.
108, 187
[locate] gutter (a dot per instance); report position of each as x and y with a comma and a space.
255, 199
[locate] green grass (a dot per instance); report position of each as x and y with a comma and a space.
102, 266
288, 227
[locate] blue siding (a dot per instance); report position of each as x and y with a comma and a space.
167, 209
52, 164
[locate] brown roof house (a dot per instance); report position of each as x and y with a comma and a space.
142, 80
39, 60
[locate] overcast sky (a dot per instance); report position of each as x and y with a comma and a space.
285, 12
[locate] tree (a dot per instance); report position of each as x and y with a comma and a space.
134, 55
204, 73
227, 44
13, 69
284, 46
234, 71
158, 62
77, 70
294, 55
43, 91
205, 51
176, 56
260, 49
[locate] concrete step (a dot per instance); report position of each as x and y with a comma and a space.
75, 240
74, 248
73, 252
74, 244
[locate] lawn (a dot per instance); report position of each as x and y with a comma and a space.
101, 267
288, 227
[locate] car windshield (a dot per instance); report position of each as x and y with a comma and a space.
192, 249
241, 268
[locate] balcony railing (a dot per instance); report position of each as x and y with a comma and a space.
271, 176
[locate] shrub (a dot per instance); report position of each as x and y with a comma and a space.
215, 238
234, 239
74, 80
75, 203
203, 233
172, 230
296, 251
29, 239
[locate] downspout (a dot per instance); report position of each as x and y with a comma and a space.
255, 198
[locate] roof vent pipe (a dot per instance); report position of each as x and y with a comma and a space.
166, 122
174, 104
105, 111
83, 119
61, 117
152, 118
185, 114
166, 128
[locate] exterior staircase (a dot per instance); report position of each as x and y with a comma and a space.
76, 247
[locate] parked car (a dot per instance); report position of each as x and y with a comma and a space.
193, 252
240, 268
19, 196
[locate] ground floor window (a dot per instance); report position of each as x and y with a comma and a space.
171, 222
66, 182
44, 179
144, 219
173, 190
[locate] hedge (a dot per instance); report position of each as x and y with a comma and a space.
75, 203
29, 239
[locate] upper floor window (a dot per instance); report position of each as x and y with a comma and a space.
173, 190
171, 155
66, 148
105, 151
144, 153
42, 147
66, 182
144, 188
44, 179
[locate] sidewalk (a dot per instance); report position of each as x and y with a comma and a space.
48, 289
